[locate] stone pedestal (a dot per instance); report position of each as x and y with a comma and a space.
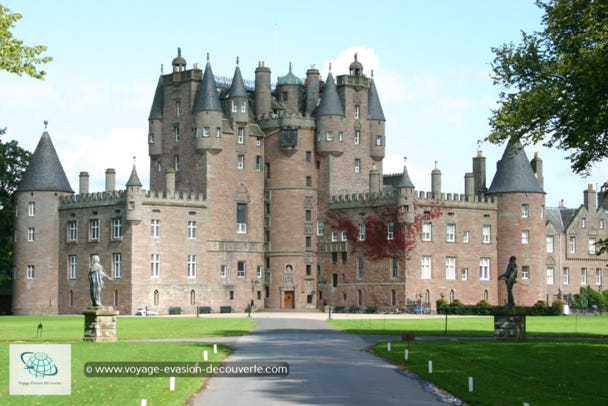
509, 327
100, 324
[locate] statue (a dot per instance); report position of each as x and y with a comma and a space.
96, 276
510, 277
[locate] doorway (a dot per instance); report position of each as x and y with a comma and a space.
289, 299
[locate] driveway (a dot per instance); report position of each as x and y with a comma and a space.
327, 367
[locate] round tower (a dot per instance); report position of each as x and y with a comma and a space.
263, 97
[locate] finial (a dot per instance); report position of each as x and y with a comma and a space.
435, 164
179, 52
207, 56
372, 73
45, 123
134, 159
355, 56
161, 68
404, 160
237, 60
330, 67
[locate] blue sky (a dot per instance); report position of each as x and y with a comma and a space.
431, 62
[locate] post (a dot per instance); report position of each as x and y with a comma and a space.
470, 384
205, 355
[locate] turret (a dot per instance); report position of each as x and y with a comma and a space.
135, 196
375, 117
237, 98
37, 231
330, 120
289, 91
208, 114
406, 196
155, 121
263, 96
436, 182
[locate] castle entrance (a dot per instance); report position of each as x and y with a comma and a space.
289, 299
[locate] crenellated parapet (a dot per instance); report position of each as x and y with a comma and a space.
285, 119
92, 199
382, 198
152, 197
456, 199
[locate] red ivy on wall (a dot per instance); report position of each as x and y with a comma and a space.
377, 245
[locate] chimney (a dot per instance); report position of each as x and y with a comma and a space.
479, 171
436, 182
312, 89
263, 97
469, 184
170, 181
110, 180
374, 179
590, 199
537, 167
84, 183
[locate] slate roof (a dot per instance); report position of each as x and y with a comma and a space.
156, 111
289, 79
237, 88
207, 98
45, 172
514, 173
374, 108
134, 179
405, 179
330, 101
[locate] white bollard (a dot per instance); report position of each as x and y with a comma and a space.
470, 384
388, 346
215, 348
205, 355
526, 404
430, 367
407, 354
144, 402
172, 383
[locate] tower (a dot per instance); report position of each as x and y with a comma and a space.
37, 232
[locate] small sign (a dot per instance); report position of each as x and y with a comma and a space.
40, 369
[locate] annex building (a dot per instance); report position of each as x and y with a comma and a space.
274, 196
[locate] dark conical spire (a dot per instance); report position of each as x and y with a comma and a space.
405, 177
237, 88
207, 98
330, 101
374, 108
134, 179
513, 172
156, 111
45, 172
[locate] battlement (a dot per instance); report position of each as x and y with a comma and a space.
385, 197
93, 199
286, 119
178, 198
451, 198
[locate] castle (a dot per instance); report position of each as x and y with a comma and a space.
274, 196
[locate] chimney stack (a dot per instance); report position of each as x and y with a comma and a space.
110, 180
84, 183
170, 181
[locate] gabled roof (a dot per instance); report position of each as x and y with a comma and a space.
330, 101
156, 111
374, 108
207, 98
560, 217
514, 173
45, 172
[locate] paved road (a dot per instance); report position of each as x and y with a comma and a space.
327, 367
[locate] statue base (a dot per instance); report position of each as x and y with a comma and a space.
100, 324
509, 327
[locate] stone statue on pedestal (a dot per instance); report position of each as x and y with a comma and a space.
96, 275
510, 278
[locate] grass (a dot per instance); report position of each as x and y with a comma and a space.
538, 372
481, 326
86, 390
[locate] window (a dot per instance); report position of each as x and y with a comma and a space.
176, 162
241, 218
218, 132
72, 231
178, 108
484, 269
592, 241
308, 242
340, 137
191, 230
602, 224
357, 165
191, 266
240, 135
334, 280
308, 270
240, 269
572, 244
344, 236
117, 265
94, 230
329, 136
176, 133
550, 272
308, 181
486, 234
598, 276
450, 268
394, 269
426, 231
359, 267
450, 233
206, 132
583, 222
155, 228
155, 265
583, 276
240, 161
361, 232
550, 240
235, 106
390, 231
525, 211
357, 111
464, 274
334, 236
30, 272
258, 163
425, 267
243, 106
525, 272
378, 140
320, 227
223, 271
308, 156
525, 237
260, 272
308, 215
258, 141
117, 229
357, 137
31, 209
72, 266
566, 276
31, 234
465, 237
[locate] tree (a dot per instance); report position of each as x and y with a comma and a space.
13, 162
556, 83
14, 56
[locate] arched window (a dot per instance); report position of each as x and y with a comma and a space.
156, 297
393, 297
192, 297
359, 297
485, 294
452, 294
427, 297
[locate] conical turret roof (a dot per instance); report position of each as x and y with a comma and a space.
405, 178
134, 179
45, 172
330, 100
374, 108
207, 98
237, 88
514, 173
156, 111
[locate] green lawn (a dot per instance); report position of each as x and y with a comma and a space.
482, 326
128, 391
538, 372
